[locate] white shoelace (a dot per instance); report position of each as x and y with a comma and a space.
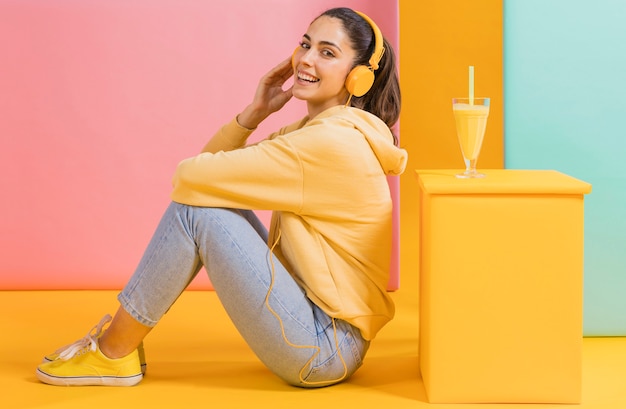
89, 341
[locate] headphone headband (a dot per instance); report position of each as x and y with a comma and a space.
379, 48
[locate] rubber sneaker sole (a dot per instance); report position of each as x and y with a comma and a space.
88, 380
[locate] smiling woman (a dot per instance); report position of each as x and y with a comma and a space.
309, 295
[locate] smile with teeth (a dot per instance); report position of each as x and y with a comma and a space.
305, 77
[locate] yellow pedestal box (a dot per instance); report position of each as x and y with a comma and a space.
501, 286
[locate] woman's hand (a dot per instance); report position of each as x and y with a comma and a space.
269, 97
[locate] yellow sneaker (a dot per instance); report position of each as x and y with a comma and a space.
82, 363
95, 333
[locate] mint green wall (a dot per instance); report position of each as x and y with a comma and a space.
565, 109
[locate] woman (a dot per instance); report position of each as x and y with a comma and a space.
310, 295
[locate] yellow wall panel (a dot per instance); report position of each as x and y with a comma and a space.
439, 40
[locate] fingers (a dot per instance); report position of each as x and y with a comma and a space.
270, 95
282, 72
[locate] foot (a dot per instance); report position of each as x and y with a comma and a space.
82, 363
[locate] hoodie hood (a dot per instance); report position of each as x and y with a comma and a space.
392, 159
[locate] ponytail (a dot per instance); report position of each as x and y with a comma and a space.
384, 98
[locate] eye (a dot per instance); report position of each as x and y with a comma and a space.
328, 53
305, 45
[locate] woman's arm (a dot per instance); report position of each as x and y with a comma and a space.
269, 98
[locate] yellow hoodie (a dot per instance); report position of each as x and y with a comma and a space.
325, 179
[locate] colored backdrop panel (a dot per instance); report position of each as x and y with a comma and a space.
565, 85
100, 99
439, 40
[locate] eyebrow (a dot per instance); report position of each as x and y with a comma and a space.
328, 43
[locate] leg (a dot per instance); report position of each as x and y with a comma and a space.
293, 337
232, 246
168, 265
123, 336
286, 330
171, 239
112, 358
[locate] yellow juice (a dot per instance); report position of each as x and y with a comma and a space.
471, 121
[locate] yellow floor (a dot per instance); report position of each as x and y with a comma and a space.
197, 360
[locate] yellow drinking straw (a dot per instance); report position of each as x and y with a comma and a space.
471, 85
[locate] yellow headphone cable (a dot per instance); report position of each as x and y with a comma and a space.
282, 328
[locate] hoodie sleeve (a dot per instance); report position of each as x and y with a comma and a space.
228, 137
264, 176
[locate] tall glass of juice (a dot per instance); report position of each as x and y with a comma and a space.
470, 116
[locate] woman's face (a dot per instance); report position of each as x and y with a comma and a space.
322, 64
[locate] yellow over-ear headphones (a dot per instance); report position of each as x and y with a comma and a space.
361, 78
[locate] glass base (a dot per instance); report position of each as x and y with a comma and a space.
470, 174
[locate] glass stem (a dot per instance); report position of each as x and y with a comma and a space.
471, 168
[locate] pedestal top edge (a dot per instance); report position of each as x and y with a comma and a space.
444, 181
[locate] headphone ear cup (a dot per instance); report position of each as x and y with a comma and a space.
293, 56
359, 80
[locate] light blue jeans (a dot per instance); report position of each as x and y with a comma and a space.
232, 246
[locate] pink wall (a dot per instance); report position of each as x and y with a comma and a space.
100, 99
